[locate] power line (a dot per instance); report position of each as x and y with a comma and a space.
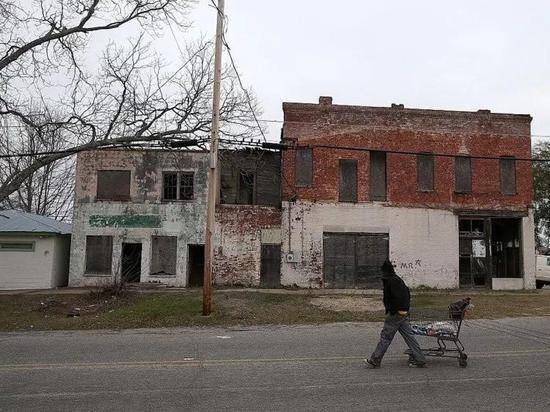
425, 153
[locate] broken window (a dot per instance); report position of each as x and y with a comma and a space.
304, 167
164, 253
378, 176
348, 180
245, 194
113, 185
425, 172
508, 175
99, 251
463, 174
178, 185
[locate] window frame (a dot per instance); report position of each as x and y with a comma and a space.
178, 174
350, 199
372, 196
469, 159
425, 156
297, 181
87, 270
501, 163
119, 199
22, 242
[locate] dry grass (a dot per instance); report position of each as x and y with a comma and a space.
168, 309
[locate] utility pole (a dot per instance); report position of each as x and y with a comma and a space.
213, 169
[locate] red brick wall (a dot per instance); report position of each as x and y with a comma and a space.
412, 130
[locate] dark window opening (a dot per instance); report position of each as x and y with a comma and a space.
304, 167
378, 176
474, 254
131, 262
178, 185
113, 185
164, 254
245, 194
463, 174
348, 180
508, 175
425, 172
99, 250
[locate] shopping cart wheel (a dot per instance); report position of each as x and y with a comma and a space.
463, 360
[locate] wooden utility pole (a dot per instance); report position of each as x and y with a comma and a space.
213, 169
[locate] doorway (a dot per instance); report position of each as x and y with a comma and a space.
131, 262
195, 263
506, 253
270, 270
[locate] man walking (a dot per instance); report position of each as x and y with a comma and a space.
397, 299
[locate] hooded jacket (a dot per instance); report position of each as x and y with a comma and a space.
396, 294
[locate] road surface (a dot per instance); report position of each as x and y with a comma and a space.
271, 368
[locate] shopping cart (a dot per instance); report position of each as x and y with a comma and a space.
444, 326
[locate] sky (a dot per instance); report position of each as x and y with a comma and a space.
465, 55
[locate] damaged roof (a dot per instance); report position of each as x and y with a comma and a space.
17, 221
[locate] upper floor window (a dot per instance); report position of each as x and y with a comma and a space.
463, 174
508, 175
425, 172
304, 167
377, 179
348, 180
113, 185
178, 185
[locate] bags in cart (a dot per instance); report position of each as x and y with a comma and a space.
456, 309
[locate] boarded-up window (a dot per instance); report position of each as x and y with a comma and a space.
348, 180
377, 176
508, 175
178, 185
99, 251
425, 172
113, 185
304, 167
463, 174
164, 253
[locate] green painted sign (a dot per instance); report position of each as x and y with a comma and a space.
132, 221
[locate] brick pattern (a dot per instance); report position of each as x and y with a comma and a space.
413, 130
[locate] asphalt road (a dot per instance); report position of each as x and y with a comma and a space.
271, 368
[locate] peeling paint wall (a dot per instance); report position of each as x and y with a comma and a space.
423, 242
240, 232
144, 216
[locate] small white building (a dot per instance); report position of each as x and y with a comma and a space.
34, 251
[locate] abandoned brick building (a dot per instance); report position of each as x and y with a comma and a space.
141, 214
361, 184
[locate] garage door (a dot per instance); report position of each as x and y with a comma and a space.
353, 260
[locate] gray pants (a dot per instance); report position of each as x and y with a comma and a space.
392, 324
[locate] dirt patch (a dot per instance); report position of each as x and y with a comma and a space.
349, 303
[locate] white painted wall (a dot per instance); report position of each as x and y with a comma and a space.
423, 242
529, 254
27, 270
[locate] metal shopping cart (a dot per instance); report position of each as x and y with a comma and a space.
444, 326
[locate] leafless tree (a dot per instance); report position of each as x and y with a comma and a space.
132, 98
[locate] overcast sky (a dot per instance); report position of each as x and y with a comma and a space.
462, 55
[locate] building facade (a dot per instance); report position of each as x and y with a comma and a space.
443, 194
139, 215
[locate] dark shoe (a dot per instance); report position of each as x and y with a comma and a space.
413, 364
371, 364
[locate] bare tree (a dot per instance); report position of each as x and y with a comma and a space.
133, 98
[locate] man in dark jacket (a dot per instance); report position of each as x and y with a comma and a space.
397, 300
